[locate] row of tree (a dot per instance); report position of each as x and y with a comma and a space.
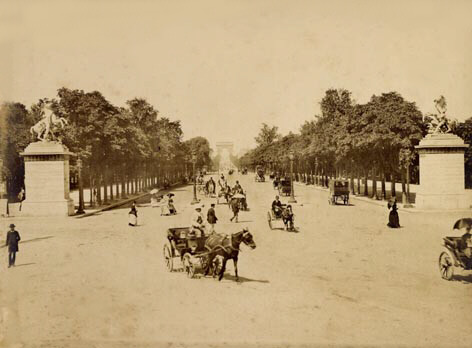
128, 147
373, 141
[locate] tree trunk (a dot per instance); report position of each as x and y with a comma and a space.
99, 192
383, 192
111, 187
123, 186
366, 184
374, 184
91, 189
105, 187
393, 191
358, 183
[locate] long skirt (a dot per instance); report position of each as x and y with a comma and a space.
393, 219
132, 220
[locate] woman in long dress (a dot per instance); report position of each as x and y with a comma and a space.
393, 218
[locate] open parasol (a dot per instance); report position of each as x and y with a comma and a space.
238, 195
153, 191
463, 223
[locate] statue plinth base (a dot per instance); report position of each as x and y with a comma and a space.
442, 180
47, 180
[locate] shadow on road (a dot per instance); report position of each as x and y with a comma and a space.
26, 264
244, 279
36, 239
466, 279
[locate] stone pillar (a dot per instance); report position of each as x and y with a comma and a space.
442, 180
47, 180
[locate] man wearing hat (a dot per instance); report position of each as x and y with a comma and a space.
197, 222
211, 217
13, 237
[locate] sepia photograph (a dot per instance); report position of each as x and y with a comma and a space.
235, 173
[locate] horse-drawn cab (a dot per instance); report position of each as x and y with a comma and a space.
285, 214
260, 175
182, 244
457, 250
285, 188
338, 189
205, 254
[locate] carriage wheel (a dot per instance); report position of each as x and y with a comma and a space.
446, 267
168, 258
189, 267
269, 220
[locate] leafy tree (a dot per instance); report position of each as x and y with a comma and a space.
15, 122
267, 135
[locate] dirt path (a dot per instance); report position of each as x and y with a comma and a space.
345, 278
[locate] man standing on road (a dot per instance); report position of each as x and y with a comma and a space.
13, 237
235, 208
211, 218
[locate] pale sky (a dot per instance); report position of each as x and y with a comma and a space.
224, 67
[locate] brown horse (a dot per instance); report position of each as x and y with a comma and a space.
228, 248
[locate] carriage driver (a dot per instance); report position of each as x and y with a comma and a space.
197, 226
277, 207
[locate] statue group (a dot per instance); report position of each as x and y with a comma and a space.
46, 126
440, 122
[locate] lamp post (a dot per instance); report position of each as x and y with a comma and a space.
292, 193
80, 210
194, 162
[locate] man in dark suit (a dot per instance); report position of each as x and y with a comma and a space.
211, 217
13, 237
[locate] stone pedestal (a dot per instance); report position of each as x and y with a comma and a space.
442, 180
47, 180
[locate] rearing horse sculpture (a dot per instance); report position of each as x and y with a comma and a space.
44, 127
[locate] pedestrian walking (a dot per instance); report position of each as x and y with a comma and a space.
211, 217
13, 237
235, 209
21, 196
133, 215
393, 218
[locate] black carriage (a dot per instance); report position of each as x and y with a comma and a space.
457, 251
338, 189
285, 187
181, 246
286, 214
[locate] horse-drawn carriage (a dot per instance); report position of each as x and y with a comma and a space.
244, 171
260, 175
338, 189
456, 251
285, 187
190, 250
204, 254
285, 215
224, 194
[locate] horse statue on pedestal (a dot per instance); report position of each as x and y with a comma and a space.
440, 124
45, 127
